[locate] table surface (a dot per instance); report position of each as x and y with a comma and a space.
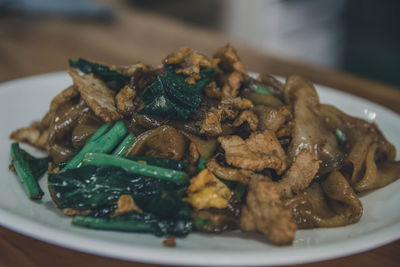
31, 46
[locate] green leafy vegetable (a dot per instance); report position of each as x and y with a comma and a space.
29, 169
172, 97
100, 141
96, 188
101, 71
135, 222
100, 159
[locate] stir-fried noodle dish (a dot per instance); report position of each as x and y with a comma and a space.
198, 144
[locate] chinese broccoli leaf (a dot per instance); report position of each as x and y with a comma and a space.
170, 96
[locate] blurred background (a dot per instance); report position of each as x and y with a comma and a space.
359, 37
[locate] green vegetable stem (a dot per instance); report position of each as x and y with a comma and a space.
102, 130
124, 145
101, 141
201, 164
340, 136
136, 222
256, 87
177, 165
100, 159
28, 179
113, 224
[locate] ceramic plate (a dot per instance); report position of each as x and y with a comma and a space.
25, 100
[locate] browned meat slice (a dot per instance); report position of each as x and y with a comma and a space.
37, 133
249, 117
124, 100
299, 175
131, 69
66, 95
271, 118
212, 91
31, 135
211, 125
238, 175
231, 84
179, 57
228, 108
28, 134
97, 96
234, 70
236, 103
230, 61
261, 150
189, 62
140, 75
264, 212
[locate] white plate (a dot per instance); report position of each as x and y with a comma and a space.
25, 100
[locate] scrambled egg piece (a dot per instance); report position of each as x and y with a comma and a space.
206, 191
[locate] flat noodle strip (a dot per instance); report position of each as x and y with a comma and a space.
343, 199
330, 204
375, 176
367, 148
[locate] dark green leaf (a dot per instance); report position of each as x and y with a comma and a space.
172, 97
92, 187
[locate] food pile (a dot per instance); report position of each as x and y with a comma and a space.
198, 144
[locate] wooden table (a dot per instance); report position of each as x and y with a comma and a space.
31, 46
